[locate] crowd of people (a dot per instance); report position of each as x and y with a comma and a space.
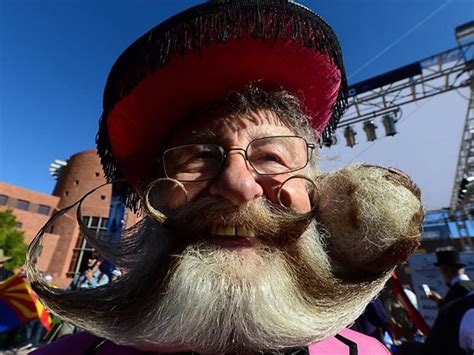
33, 334
453, 329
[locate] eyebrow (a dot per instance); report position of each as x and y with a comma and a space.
265, 131
203, 136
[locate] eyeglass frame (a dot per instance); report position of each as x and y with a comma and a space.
224, 154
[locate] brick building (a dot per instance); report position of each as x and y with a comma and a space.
32, 210
65, 252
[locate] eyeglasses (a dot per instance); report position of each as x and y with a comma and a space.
267, 156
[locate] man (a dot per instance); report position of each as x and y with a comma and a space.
374, 320
466, 326
115, 275
452, 271
4, 273
211, 126
92, 276
453, 330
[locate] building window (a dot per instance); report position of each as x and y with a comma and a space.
76, 182
22, 205
43, 209
18, 225
3, 199
97, 174
83, 250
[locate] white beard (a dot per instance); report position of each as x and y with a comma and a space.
219, 300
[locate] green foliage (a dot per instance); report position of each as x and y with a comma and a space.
11, 240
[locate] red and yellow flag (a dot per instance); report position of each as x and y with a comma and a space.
18, 295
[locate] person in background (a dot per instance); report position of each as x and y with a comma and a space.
4, 273
411, 295
92, 277
115, 275
452, 271
374, 321
7, 339
453, 330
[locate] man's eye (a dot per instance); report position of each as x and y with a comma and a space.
270, 157
267, 158
196, 161
205, 155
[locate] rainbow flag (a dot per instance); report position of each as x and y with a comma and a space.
19, 305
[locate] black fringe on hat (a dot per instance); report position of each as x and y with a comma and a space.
214, 21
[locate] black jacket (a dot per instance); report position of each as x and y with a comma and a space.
5, 274
444, 335
460, 289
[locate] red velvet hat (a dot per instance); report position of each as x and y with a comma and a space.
199, 55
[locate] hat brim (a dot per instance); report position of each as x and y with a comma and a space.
5, 258
139, 124
199, 55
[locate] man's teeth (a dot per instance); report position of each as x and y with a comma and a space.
231, 231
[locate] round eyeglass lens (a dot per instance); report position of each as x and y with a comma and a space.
193, 162
276, 155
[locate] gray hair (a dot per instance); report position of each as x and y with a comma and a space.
285, 105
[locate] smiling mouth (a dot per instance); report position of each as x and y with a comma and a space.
230, 236
230, 231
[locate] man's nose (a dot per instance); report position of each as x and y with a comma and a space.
236, 182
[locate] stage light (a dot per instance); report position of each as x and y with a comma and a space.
389, 122
350, 134
466, 187
369, 128
465, 31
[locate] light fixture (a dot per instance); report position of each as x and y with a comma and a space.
369, 128
389, 122
350, 134
464, 31
466, 187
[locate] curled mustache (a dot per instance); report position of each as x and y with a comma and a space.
271, 223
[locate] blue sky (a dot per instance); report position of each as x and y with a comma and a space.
55, 57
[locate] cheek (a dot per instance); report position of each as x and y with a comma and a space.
194, 189
177, 197
169, 195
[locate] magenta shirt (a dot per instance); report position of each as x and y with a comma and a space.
78, 344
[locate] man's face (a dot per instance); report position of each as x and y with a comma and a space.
91, 262
237, 181
262, 154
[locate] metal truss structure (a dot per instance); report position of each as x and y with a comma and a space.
432, 76
435, 75
465, 167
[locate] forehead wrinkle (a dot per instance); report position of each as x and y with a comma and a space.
218, 130
256, 124
205, 135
